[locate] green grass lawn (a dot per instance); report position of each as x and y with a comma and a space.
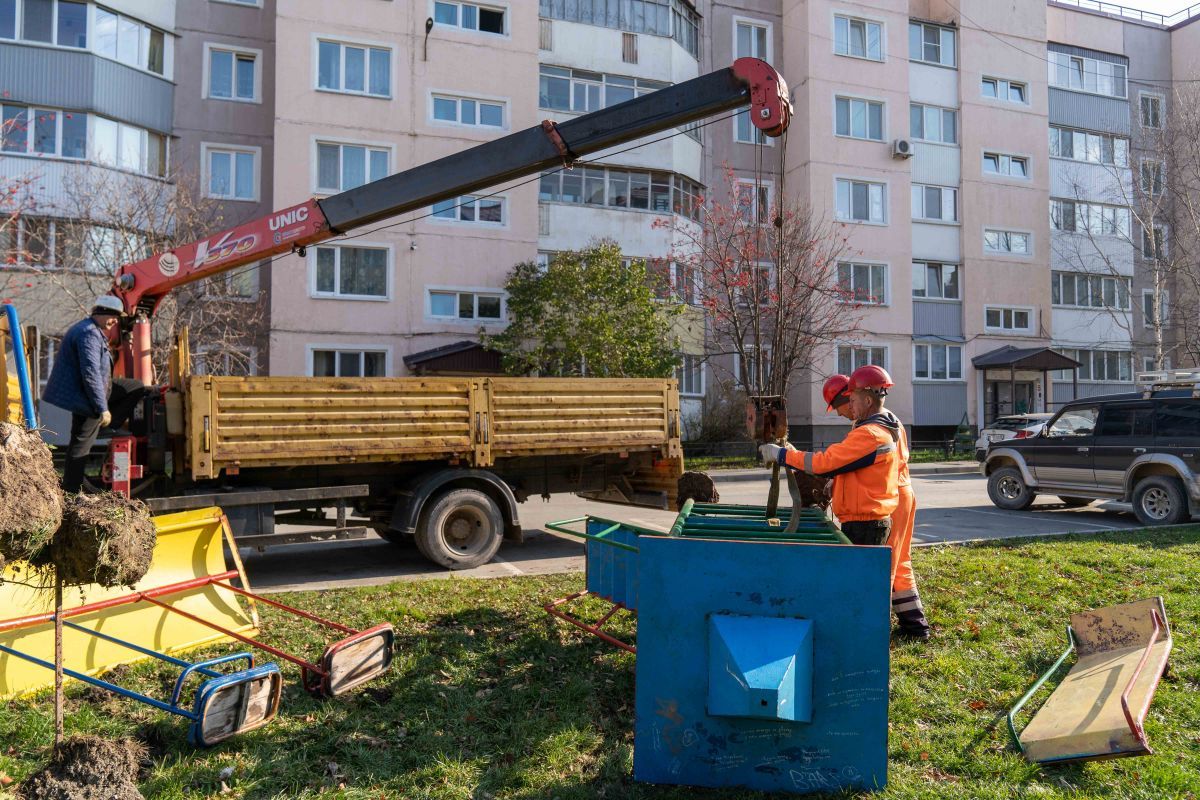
491, 698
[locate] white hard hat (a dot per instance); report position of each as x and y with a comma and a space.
113, 304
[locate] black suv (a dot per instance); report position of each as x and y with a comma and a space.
1141, 448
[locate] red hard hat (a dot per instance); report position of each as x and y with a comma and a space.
835, 389
871, 378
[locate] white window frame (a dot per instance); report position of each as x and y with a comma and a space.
316, 141
1052, 60
1091, 218
923, 25
59, 119
1007, 84
925, 279
1121, 291
869, 101
886, 299
208, 148
1164, 244
700, 366
929, 378
1161, 176
310, 349
361, 44
1158, 98
237, 50
458, 99
1164, 311
505, 7
758, 215
316, 293
765, 350
458, 220
838, 179
1009, 232
941, 124
1148, 363
1026, 331
851, 18
756, 135
1080, 155
866, 346
490, 291
1006, 160
953, 220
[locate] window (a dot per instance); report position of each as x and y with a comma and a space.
937, 362
1082, 290
1177, 420
1098, 148
129, 41
685, 27
354, 69
351, 272
1154, 243
1152, 110
1015, 242
752, 40
933, 124
1093, 218
754, 202
43, 131
1008, 320
345, 166
858, 119
674, 18
1113, 366
935, 280
1149, 319
1003, 89
859, 38
467, 111
238, 284
232, 173
476, 210
851, 357
450, 304
469, 16
1151, 173
562, 89
1082, 74
236, 362
863, 283
349, 363
1079, 421
233, 74
45, 243
1006, 165
621, 188
861, 201
1149, 364
116, 144
938, 203
931, 44
8, 20
629, 46
690, 374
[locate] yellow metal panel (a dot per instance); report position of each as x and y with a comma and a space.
189, 546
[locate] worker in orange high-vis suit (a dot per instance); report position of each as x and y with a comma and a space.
864, 466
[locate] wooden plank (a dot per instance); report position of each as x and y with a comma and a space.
358, 662
577, 412
506, 427
232, 428
382, 402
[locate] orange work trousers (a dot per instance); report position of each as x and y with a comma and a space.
903, 518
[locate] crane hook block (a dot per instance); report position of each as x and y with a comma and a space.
770, 105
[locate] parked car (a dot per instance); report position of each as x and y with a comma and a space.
1142, 448
1012, 426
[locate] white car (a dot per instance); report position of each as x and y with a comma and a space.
1012, 426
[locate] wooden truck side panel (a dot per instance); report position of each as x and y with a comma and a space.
245, 423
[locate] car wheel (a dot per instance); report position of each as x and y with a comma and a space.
1007, 489
461, 529
1075, 502
1159, 500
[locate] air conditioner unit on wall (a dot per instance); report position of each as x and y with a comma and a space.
902, 148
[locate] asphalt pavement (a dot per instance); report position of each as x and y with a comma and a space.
951, 507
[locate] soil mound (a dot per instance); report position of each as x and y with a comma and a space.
815, 491
31, 498
105, 538
88, 768
697, 486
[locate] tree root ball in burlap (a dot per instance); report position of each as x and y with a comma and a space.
697, 486
88, 768
105, 538
31, 498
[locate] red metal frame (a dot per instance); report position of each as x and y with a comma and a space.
1135, 723
553, 608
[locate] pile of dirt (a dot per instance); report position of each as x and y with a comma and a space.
697, 486
31, 498
815, 491
105, 538
88, 768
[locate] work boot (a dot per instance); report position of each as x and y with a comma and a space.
910, 615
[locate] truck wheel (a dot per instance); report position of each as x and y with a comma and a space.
1075, 502
1159, 500
1007, 489
460, 529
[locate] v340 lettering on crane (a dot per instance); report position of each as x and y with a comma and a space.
226, 247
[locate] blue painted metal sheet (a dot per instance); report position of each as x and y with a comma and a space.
841, 590
612, 572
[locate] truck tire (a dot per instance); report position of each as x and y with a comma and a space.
1076, 502
460, 529
1008, 490
1159, 500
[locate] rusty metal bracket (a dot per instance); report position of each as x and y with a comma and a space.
550, 127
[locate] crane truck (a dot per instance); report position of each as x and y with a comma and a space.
443, 460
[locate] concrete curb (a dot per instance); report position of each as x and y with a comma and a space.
920, 470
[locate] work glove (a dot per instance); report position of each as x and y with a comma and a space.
771, 454
105, 418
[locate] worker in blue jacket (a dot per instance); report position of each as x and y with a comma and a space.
81, 382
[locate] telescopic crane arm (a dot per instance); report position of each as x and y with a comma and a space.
750, 81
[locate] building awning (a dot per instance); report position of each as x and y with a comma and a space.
459, 358
1038, 358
